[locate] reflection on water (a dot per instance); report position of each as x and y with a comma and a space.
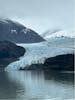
8, 88
36, 85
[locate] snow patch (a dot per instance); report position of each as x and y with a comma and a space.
13, 31
25, 30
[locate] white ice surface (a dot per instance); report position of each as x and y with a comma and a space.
38, 52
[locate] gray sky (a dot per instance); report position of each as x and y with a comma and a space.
39, 15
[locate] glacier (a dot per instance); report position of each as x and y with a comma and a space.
37, 53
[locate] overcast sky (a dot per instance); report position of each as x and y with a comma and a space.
39, 15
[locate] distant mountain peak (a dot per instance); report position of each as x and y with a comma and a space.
51, 31
59, 33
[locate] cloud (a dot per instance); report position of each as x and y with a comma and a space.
39, 14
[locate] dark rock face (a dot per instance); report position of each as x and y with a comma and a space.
9, 52
60, 62
33, 67
15, 32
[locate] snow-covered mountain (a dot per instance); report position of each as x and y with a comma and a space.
58, 33
49, 32
16, 32
37, 53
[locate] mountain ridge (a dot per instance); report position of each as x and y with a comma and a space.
15, 32
58, 33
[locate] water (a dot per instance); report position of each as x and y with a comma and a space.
36, 85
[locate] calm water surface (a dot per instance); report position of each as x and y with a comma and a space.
36, 85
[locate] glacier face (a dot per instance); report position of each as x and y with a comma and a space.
39, 52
